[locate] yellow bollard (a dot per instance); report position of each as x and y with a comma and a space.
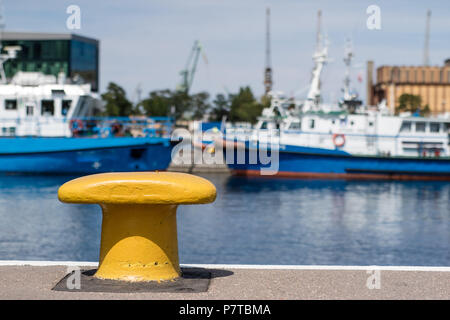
139, 229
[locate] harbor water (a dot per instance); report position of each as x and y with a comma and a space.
252, 221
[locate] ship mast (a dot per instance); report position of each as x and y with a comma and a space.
348, 64
426, 49
320, 58
2, 27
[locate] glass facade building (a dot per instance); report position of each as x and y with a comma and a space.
76, 56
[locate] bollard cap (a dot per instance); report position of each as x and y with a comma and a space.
138, 188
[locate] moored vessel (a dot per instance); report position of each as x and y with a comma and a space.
50, 125
309, 138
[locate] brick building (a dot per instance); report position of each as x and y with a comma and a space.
432, 83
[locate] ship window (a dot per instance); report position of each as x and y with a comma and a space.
30, 110
370, 124
447, 127
420, 126
58, 92
264, 125
406, 127
9, 131
47, 107
10, 104
311, 123
434, 126
295, 125
65, 107
37, 50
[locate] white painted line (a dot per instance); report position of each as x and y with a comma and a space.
235, 266
317, 267
47, 263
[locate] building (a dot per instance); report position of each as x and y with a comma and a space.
51, 53
432, 83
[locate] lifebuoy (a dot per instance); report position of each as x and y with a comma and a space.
338, 140
76, 125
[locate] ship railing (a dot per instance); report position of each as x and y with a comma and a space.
429, 145
121, 126
99, 127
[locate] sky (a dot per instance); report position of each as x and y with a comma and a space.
146, 43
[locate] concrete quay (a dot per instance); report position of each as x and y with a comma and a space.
35, 280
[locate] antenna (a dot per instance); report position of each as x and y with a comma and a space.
319, 35
268, 71
2, 24
348, 62
138, 92
426, 57
320, 58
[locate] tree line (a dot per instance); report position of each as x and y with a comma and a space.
240, 106
236, 107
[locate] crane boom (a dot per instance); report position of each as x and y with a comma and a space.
187, 75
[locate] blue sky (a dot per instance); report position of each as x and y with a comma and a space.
148, 42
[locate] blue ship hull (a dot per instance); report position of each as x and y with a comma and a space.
295, 161
83, 155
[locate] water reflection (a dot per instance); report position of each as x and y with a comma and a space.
253, 221
34, 225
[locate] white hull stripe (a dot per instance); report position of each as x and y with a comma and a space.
236, 266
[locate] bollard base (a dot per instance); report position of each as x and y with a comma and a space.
192, 280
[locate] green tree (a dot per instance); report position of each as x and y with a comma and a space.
116, 102
199, 105
266, 101
158, 103
411, 103
161, 103
220, 108
181, 103
244, 106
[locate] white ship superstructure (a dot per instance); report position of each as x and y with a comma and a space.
347, 126
34, 104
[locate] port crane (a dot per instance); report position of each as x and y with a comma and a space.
187, 75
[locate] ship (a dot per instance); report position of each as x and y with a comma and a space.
346, 140
51, 125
